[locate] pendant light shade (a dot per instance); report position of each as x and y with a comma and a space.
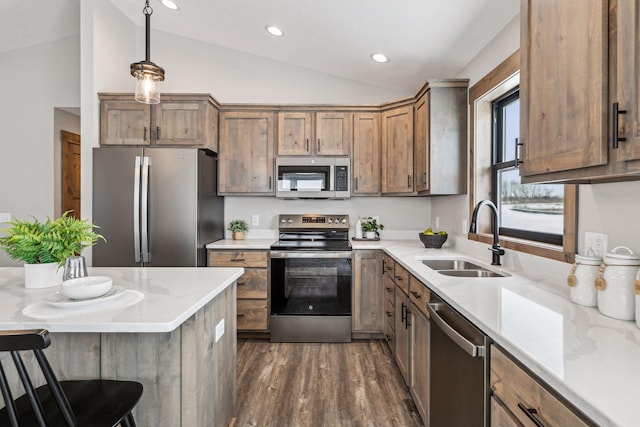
148, 75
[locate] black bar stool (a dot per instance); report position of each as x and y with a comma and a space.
86, 403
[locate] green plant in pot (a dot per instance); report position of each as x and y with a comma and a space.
44, 246
238, 227
371, 228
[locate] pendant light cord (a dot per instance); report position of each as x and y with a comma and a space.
148, 10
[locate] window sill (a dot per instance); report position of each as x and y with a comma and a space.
527, 246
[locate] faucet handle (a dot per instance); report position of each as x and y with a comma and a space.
496, 249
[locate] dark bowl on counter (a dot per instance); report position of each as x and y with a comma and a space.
433, 241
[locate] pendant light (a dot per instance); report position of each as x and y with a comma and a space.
148, 75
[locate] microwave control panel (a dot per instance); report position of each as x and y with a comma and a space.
342, 178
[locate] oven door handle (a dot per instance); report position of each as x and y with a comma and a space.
469, 347
310, 254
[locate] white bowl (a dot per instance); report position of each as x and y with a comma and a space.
87, 287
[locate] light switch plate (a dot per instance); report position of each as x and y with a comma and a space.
5, 217
437, 225
255, 220
219, 330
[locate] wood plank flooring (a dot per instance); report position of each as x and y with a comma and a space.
316, 384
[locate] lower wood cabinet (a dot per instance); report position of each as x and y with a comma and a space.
253, 286
419, 360
402, 332
519, 396
368, 303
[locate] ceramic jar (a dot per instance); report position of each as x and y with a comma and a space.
615, 283
581, 278
636, 288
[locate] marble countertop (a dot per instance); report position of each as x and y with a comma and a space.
167, 297
591, 359
242, 244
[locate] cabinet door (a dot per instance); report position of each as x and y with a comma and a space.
563, 85
402, 332
366, 153
501, 416
180, 123
421, 143
333, 134
628, 92
397, 150
294, 134
246, 153
368, 298
125, 123
419, 384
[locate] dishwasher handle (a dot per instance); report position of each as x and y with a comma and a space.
469, 347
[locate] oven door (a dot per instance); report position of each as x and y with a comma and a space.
310, 296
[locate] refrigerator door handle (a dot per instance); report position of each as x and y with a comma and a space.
136, 209
144, 202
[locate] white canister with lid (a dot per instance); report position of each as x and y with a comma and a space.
636, 288
615, 283
581, 278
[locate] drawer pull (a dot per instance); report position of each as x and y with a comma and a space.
389, 314
532, 414
388, 337
415, 294
237, 260
240, 315
389, 289
399, 278
242, 283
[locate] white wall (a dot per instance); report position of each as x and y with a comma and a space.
62, 120
34, 81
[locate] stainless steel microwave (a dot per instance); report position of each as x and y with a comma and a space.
313, 177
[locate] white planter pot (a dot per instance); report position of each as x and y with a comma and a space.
42, 275
370, 234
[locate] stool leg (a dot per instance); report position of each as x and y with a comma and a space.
128, 421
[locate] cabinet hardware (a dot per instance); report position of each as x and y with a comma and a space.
241, 283
307, 144
416, 295
389, 289
240, 315
269, 183
389, 314
532, 414
318, 147
424, 178
399, 278
517, 152
356, 183
157, 132
616, 138
383, 267
237, 260
144, 138
388, 337
403, 317
408, 181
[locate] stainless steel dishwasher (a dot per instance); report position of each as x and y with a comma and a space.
458, 369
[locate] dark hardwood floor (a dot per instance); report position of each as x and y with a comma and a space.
309, 384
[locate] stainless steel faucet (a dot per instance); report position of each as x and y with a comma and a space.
495, 248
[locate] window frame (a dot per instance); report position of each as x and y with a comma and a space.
502, 79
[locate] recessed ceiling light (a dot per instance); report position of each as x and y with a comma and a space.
379, 57
274, 31
171, 5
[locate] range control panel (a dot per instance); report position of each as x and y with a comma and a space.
313, 221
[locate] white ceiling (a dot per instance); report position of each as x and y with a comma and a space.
423, 38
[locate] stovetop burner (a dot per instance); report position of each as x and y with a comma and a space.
313, 232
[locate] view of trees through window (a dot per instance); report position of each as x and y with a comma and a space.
531, 211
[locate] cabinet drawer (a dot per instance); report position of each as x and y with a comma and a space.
238, 259
401, 277
521, 392
388, 311
390, 335
500, 416
388, 291
252, 314
253, 284
419, 295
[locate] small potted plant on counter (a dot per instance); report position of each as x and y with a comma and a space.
371, 228
44, 246
238, 227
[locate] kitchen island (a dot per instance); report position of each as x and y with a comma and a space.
172, 329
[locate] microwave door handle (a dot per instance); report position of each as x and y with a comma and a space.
146, 163
136, 209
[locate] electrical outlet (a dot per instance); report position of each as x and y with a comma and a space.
5, 217
219, 330
255, 219
465, 226
595, 244
437, 223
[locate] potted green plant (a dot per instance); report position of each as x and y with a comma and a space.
371, 228
44, 246
238, 227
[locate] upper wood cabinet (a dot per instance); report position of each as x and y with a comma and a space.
308, 133
366, 154
569, 83
397, 150
440, 145
179, 120
246, 161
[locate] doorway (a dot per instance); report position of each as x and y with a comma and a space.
70, 173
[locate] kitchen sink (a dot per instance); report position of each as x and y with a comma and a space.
471, 273
460, 268
450, 264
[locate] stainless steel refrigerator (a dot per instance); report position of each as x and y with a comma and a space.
156, 207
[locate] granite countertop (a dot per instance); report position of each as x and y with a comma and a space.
591, 359
162, 298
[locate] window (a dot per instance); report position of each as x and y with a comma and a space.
527, 211
531, 221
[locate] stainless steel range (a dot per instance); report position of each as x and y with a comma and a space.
311, 279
